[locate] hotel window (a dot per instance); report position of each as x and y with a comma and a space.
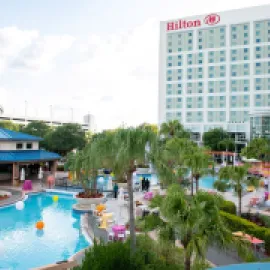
19, 146
29, 146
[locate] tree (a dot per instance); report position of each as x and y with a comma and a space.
150, 127
10, 125
168, 159
197, 221
213, 137
236, 177
173, 129
198, 161
258, 148
39, 129
120, 151
66, 138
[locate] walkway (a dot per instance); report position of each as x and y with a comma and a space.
17, 195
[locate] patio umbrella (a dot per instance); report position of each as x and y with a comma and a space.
40, 173
22, 176
121, 203
110, 185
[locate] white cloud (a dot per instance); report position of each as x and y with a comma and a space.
124, 66
29, 50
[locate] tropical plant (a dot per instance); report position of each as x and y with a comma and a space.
120, 151
116, 255
198, 161
168, 159
236, 177
213, 137
173, 129
197, 222
258, 148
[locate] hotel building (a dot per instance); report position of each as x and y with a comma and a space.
214, 71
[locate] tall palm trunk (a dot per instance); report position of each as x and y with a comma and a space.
197, 182
131, 213
192, 185
239, 193
187, 261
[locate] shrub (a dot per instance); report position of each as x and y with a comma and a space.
156, 201
228, 207
116, 255
236, 223
149, 223
266, 220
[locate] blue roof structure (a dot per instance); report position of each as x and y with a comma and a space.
9, 135
27, 156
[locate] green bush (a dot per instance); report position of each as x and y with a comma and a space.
156, 201
116, 255
236, 223
228, 207
149, 223
266, 220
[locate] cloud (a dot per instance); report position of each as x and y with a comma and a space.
106, 98
29, 50
125, 67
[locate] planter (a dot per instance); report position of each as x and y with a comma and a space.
4, 195
90, 201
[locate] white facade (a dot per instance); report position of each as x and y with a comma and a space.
18, 145
214, 69
52, 123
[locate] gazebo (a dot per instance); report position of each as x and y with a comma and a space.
19, 150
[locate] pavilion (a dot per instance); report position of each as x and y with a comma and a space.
19, 150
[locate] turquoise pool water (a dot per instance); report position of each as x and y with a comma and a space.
23, 247
246, 266
207, 181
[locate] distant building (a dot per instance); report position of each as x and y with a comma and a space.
89, 120
86, 124
1, 110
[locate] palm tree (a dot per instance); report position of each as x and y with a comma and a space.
173, 129
237, 175
197, 222
121, 151
198, 161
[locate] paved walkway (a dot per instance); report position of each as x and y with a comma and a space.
17, 195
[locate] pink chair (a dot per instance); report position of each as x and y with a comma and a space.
27, 185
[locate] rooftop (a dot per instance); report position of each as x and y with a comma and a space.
9, 135
27, 155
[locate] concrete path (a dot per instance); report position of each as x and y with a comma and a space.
17, 195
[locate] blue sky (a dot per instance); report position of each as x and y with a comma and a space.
97, 56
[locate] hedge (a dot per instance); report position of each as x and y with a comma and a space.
236, 223
228, 207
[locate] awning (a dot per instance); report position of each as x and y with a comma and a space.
27, 156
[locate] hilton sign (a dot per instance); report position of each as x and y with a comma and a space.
210, 19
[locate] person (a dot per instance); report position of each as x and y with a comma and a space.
143, 184
115, 190
147, 184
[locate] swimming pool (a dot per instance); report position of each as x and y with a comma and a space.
246, 266
23, 247
207, 181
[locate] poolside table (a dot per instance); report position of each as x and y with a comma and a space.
118, 229
148, 196
27, 185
